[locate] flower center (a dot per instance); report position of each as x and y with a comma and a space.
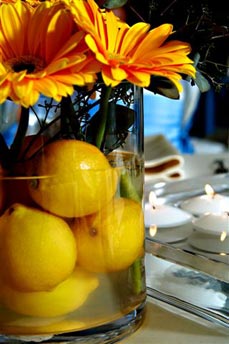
29, 63
117, 59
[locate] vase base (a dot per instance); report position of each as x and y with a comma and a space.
106, 334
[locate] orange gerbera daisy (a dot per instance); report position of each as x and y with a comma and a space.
132, 53
41, 52
7, 1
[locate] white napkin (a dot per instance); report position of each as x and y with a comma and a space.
162, 160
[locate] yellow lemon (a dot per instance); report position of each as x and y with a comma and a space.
38, 249
111, 239
66, 297
74, 179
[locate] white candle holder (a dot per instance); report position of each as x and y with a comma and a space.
170, 235
203, 204
163, 215
211, 233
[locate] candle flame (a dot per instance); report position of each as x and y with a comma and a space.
223, 236
152, 199
209, 190
152, 230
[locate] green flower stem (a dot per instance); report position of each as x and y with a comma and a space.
4, 152
127, 188
99, 140
70, 126
136, 273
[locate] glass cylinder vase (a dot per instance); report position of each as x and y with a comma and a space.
71, 225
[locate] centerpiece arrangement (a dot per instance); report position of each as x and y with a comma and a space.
71, 158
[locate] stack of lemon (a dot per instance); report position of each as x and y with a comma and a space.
76, 226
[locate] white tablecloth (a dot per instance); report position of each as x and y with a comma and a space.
202, 164
163, 327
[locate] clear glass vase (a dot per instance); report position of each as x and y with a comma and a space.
71, 225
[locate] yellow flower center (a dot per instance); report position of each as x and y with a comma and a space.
29, 63
117, 59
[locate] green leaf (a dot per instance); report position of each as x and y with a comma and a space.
69, 123
137, 277
164, 87
109, 4
127, 188
202, 82
4, 151
124, 117
119, 120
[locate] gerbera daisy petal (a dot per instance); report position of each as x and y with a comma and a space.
34, 35
23, 92
14, 20
56, 36
152, 42
92, 44
42, 47
118, 74
62, 91
108, 78
159, 34
133, 37
114, 25
135, 50
52, 45
139, 78
5, 90
72, 44
49, 88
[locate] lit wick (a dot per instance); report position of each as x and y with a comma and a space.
210, 191
225, 232
209, 202
152, 199
163, 215
152, 230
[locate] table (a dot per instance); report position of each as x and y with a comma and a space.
161, 326
202, 164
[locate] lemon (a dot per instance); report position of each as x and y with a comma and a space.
66, 297
38, 249
77, 179
111, 239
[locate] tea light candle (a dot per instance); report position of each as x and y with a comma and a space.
211, 233
170, 234
162, 215
214, 224
208, 203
